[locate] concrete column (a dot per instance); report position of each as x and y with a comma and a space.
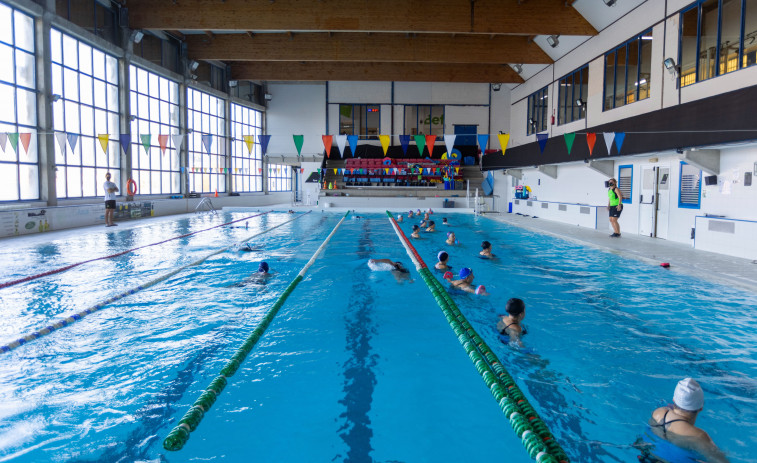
45, 128
124, 102
183, 128
227, 143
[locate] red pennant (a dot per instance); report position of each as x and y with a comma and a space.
163, 142
327, 141
591, 138
26, 138
430, 139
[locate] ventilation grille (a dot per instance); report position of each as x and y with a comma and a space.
585, 210
721, 226
529, 203
517, 201
562, 207
545, 205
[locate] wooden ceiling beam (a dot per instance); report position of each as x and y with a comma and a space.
351, 46
403, 72
536, 17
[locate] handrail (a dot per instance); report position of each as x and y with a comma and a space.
533, 432
78, 316
179, 435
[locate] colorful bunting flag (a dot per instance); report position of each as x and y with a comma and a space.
178, 140
125, 140
542, 139
449, 142
420, 142
249, 140
405, 142
207, 141
341, 142
384, 142
298, 140
457, 170
13, 138
352, 139
328, 141
60, 137
263, 140
483, 140
26, 139
504, 139
430, 140
73, 139
4, 140
619, 137
569, 139
386, 169
104, 137
591, 138
163, 143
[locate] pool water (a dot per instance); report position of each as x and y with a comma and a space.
358, 365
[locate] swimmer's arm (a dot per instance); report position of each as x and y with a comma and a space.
382, 261
468, 288
703, 444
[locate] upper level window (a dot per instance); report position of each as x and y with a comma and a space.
359, 119
246, 161
206, 143
572, 96
690, 188
717, 37
279, 177
424, 119
627, 71
625, 182
538, 110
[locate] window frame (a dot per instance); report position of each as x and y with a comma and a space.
239, 152
195, 146
561, 118
629, 199
363, 108
638, 38
430, 112
685, 205
275, 181
540, 122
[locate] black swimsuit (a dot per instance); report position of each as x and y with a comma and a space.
665, 423
522, 329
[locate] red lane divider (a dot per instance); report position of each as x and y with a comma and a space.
8, 284
412, 248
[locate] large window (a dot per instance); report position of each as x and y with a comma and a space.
86, 82
155, 105
206, 142
538, 110
625, 182
572, 96
359, 119
279, 177
19, 172
627, 71
426, 120
690, 188
246, 163
717, 37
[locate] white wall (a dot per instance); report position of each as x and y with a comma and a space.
296, 108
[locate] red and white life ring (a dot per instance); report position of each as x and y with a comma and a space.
131, 187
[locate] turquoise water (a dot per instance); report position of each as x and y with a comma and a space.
357, 366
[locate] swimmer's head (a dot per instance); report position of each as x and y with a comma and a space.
416, 228
689, 395
515, 306
444, 220
263, 267
486, 245
442, 256
465, 272
400, 268
431, 223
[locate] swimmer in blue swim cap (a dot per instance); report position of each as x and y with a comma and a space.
465, 281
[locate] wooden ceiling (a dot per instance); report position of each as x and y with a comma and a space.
387, 40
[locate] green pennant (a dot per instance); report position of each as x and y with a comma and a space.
298, 139
569, 139
146, 142
420, 140
13, 138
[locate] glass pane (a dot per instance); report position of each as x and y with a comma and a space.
7, 103
111, 65
57, 80
70, 85
620, 77
88, 150
85, 58
99, 89
8, 182
373, 120
750, 34
55, 46
708, 39
561, 101
632, 82
411, 120
27, 107
98, 64
73, 177
730, 36
87, 121
85, 85
72, 116
112, 98
88, 182
24, 32
24, 69
6, 24
70, 55
29, 181
6, 55
346, 126
645, 67
609, 81
576, 95
688, 46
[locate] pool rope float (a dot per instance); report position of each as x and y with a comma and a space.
69, 267
529, 427
179, 435
78, 316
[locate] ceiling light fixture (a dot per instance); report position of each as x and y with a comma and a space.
193, 65
496, 87
518, 68
138, 36
610, 2
670, 65
580, 103
553, 41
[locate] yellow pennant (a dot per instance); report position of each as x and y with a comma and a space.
384, 142
504, 138
104, 137
249, 140
335, 170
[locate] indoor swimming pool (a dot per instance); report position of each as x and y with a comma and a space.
358, 365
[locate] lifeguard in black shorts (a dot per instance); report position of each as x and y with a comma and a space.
615, 206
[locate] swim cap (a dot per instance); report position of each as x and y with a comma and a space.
448, 275
263, 267
448, 233
481, 289
464, 272
430, 211
442, 256
416, 227
399, 216
689, 395
486, 245
515, 306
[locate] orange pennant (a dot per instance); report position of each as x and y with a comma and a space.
430, 139
327, 141
163, 142
26, 138
591, 138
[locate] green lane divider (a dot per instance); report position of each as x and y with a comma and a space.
179, 435
528, 426
79, 315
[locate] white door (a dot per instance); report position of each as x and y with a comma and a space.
663, 201
647, 201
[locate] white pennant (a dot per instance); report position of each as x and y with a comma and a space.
449, 142
609, 138
61, 137
177, 141
3, 140
341, 142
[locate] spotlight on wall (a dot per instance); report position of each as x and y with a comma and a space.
580, 103
55, 97
553, 40
670, 65
518, 68
193, 65
532, 121
138, 36
610, 2
496, 87
233, 83
268, 97
132, 118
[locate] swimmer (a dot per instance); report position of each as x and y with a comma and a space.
424, 223
509, 325
465, 282
451, 240
425, 216
444, 221
430, 211
400, 218
486, 250
418, 212
443, 257
391, 265
431, 226
410, 215
290, 211
675, 423
246, 247
259, 278
416, 232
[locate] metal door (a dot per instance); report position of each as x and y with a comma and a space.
663, 202
648, 201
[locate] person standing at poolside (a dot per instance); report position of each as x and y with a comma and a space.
110, 189
675, 423
615, 206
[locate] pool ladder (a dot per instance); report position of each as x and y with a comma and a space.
205, 205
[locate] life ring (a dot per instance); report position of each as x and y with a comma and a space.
131, 187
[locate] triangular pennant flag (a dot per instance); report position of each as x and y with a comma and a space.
569, 139
249, 140
177, 140
263, 140
504, 139
483, 140
4, 140
146, 142
420, 142
163, 142
302, 170
26, 139
384, 142
449, 142
619, 137
336, 171
298, 140
73, 139
341, 142
386, 169
59, 136
591, 138
13, 137
430, 140
352, 139
405, 142
328, 140
609, 138
457, 170
542, 139
125, 140
104, 137
207, 141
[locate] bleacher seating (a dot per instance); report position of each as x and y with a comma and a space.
404, 172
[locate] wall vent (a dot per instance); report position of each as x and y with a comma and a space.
585, 210
562, 207
545, 205
722, 226
529, 203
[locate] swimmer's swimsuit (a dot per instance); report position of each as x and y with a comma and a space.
655, 449
523, 331
664, 423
